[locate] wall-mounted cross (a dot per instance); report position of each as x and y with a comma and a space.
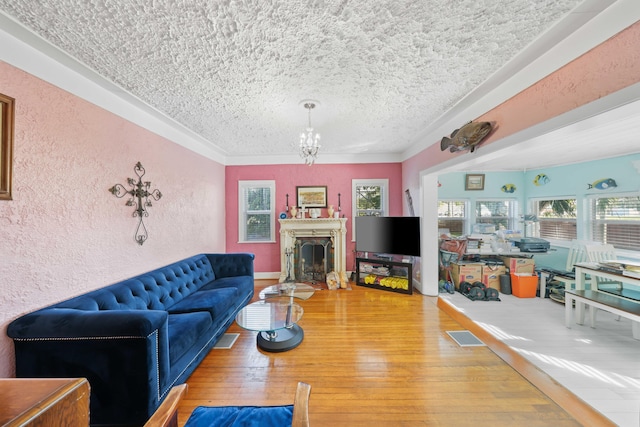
139, 198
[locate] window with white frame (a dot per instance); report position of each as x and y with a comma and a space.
453, 216
501, 213
369, 197
557, 218
256, 211
616, 221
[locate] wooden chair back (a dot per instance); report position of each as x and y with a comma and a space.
167, 413
576, 253
600, 253
301, 406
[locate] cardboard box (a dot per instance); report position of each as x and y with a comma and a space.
466, 272
519, 265
491, 275
524, 285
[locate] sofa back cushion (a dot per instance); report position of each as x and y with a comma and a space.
156, 290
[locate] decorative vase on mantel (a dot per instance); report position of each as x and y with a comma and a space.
294, 211
330, 211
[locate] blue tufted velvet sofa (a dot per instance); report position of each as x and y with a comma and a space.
136, 339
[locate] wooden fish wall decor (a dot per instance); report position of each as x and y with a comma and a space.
541, 179
508, 188
603, 184
467, 137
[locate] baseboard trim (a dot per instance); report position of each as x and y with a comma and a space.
273, 275
266, 275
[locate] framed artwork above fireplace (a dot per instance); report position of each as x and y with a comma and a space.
312, 196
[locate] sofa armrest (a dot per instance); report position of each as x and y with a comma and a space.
232, 264
124, 354
71, 323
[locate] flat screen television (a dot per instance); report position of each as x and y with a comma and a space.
397, 235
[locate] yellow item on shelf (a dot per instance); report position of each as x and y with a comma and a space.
370, 279
394, 283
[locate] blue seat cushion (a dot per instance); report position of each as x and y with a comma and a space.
214, 301
245, 416
184, 331
244, 284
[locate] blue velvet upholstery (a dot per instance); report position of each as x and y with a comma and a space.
185, 329
214, 301
241, 416
135, 339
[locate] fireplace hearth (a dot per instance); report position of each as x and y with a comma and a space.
318, 247
313, 259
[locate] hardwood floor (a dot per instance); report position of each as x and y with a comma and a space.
376, 357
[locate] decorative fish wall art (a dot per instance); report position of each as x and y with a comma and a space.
508, 188
541, 179
603, 184
467, 137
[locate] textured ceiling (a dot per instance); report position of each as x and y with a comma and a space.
235, 71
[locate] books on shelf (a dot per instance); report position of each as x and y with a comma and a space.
626, 268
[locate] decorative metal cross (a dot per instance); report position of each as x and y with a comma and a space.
139, 198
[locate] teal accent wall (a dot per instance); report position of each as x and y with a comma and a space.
571, 181
575, 179
451, 186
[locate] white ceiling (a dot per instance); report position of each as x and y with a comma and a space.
391, 77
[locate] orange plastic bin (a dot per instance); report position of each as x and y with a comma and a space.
524, 285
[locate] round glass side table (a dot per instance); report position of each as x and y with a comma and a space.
297, 290
275, 320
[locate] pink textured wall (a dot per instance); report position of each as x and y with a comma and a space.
64, 233
337, 178
607, 68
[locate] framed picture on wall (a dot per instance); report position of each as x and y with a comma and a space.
312, 196
6, 145
474, 182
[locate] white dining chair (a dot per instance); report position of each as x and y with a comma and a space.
601, 253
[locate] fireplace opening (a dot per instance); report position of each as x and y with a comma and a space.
313, 259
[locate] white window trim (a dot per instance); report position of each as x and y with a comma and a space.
532, 204
271, 184
513, 216
589, 219
383, 183
466, 220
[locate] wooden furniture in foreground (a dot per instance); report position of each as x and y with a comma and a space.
301, 406
44, 402
167, 413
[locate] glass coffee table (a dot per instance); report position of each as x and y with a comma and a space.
297, 290
275, 320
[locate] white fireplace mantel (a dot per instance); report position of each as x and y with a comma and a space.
334, 228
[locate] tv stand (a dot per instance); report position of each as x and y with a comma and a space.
380, 271
385, 257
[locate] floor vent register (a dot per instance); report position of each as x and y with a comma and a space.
465, 339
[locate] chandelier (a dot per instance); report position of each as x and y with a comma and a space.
309, 141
